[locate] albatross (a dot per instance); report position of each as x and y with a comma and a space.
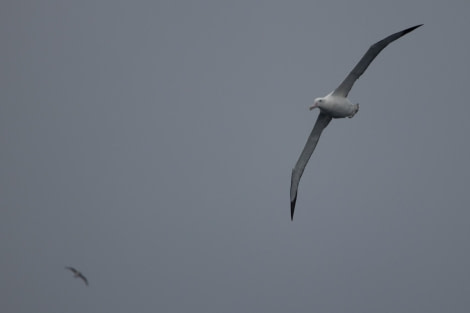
77, 274
336, 105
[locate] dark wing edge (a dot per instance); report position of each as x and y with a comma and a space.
71, 269
322, 121
83, 278
346, 85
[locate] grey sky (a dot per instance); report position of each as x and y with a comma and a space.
149, 144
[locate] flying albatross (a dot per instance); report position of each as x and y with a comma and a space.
77, 274
336, 105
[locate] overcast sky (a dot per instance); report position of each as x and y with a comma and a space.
150, 145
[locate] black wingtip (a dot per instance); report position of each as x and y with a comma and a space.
406, 31
292, 208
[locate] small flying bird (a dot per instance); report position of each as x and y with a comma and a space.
336, 105
77, 274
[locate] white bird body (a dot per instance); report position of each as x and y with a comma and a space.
336, 105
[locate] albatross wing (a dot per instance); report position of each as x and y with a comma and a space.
322, 121
83, 278
73, 270
344, 88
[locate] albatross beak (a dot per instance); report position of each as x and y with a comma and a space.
315, 105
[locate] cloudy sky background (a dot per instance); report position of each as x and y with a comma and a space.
150, 144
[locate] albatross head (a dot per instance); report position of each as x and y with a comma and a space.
317, 103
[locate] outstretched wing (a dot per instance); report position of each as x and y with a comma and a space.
72, 269
322, 121
83, 278
344, 88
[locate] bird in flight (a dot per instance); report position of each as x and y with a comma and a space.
336, 105
77, 274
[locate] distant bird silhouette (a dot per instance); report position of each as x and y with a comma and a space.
77, 274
